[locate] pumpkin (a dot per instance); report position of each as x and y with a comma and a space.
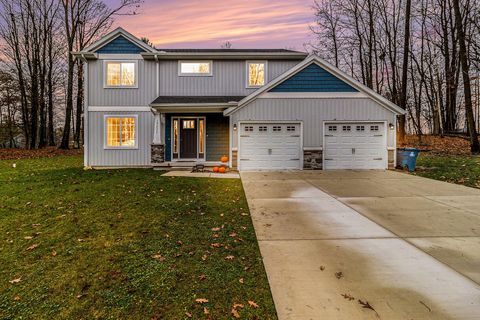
215, 169
221, 169
224, 159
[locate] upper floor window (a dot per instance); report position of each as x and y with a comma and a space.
195, 68
120, 131
256, 73
120, 74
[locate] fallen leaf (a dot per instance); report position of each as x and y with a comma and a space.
188, 314
54, 253
216, 229
17, 298
32, 247
201, 300
235, 314
28, 237
205, 310
229, 257
204, 257
240, 280
233, 234
202, 277
252, 304
347, 296
238, 305
158, 257
16, 280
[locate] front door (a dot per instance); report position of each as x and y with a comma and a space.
188, 138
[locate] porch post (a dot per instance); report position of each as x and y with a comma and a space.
157, 147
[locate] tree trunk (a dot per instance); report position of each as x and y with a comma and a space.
403, 97
474, 144
78, 116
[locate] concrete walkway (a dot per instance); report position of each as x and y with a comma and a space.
334, 243
206, 174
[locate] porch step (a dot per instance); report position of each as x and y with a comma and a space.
184, 165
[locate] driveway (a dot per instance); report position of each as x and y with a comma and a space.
367, 244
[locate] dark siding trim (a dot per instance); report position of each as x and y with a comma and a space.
120, 45
313, 79
168, 137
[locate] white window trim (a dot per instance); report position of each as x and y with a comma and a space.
106, 86
247, 73
180, 74
105, 144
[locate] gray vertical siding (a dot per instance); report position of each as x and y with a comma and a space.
141, 96
98, 156
229, 78
312, 112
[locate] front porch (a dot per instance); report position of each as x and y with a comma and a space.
187, 139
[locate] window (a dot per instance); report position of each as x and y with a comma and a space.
201, 134
347, 128
120, 74
332, 128
256, 73
248, 129
175, 138
188, 124
373, 128
291, 128
120, 132
277, 128
360, 128
195, 68
262, 128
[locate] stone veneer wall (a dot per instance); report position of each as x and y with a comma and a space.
391, 159
158, 153
312, 159
234, 159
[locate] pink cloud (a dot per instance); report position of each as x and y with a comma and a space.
209, 23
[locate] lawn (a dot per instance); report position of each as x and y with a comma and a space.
118, 244
460, 169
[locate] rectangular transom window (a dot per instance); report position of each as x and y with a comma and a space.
332, 128
120, 74
347, 128
120, 131
248, 128
360, 128
262, 128
290, 128
277, 128
188, 124
373, 128
195, 68
256, 73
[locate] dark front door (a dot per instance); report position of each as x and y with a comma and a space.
188, 138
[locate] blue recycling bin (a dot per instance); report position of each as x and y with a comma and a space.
407, 157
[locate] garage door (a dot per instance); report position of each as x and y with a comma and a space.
269, 146
355, 146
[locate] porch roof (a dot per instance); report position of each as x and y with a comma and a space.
182, 100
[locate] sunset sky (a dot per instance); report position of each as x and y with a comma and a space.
209, 23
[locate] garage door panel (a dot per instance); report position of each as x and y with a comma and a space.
269, 146
355, 146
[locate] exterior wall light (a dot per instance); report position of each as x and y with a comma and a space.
391, 126
234, 127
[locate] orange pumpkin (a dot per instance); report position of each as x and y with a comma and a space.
215, 169
221, 169
224, 159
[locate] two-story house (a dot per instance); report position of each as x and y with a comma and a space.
264, 109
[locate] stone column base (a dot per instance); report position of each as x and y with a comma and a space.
158, 153
312, 159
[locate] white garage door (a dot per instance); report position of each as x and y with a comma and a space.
355, 146
269, 146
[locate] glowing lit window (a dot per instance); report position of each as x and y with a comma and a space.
188, 124
195, 68
175, 136
201, 137
121, 132
120, 74
256, 73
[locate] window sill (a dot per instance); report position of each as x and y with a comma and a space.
120, 87
120, 148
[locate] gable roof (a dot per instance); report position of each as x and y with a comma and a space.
118, 32
327, 67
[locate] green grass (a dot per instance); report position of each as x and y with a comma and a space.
463, 170
124, 244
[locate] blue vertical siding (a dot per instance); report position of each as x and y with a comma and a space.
313, 79
120, 45
168, 137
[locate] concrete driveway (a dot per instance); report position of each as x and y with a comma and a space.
367, 244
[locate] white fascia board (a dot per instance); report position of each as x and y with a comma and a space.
312, 95
224, 55
119, 109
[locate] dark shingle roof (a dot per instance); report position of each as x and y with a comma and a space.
196, 99
229, 50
